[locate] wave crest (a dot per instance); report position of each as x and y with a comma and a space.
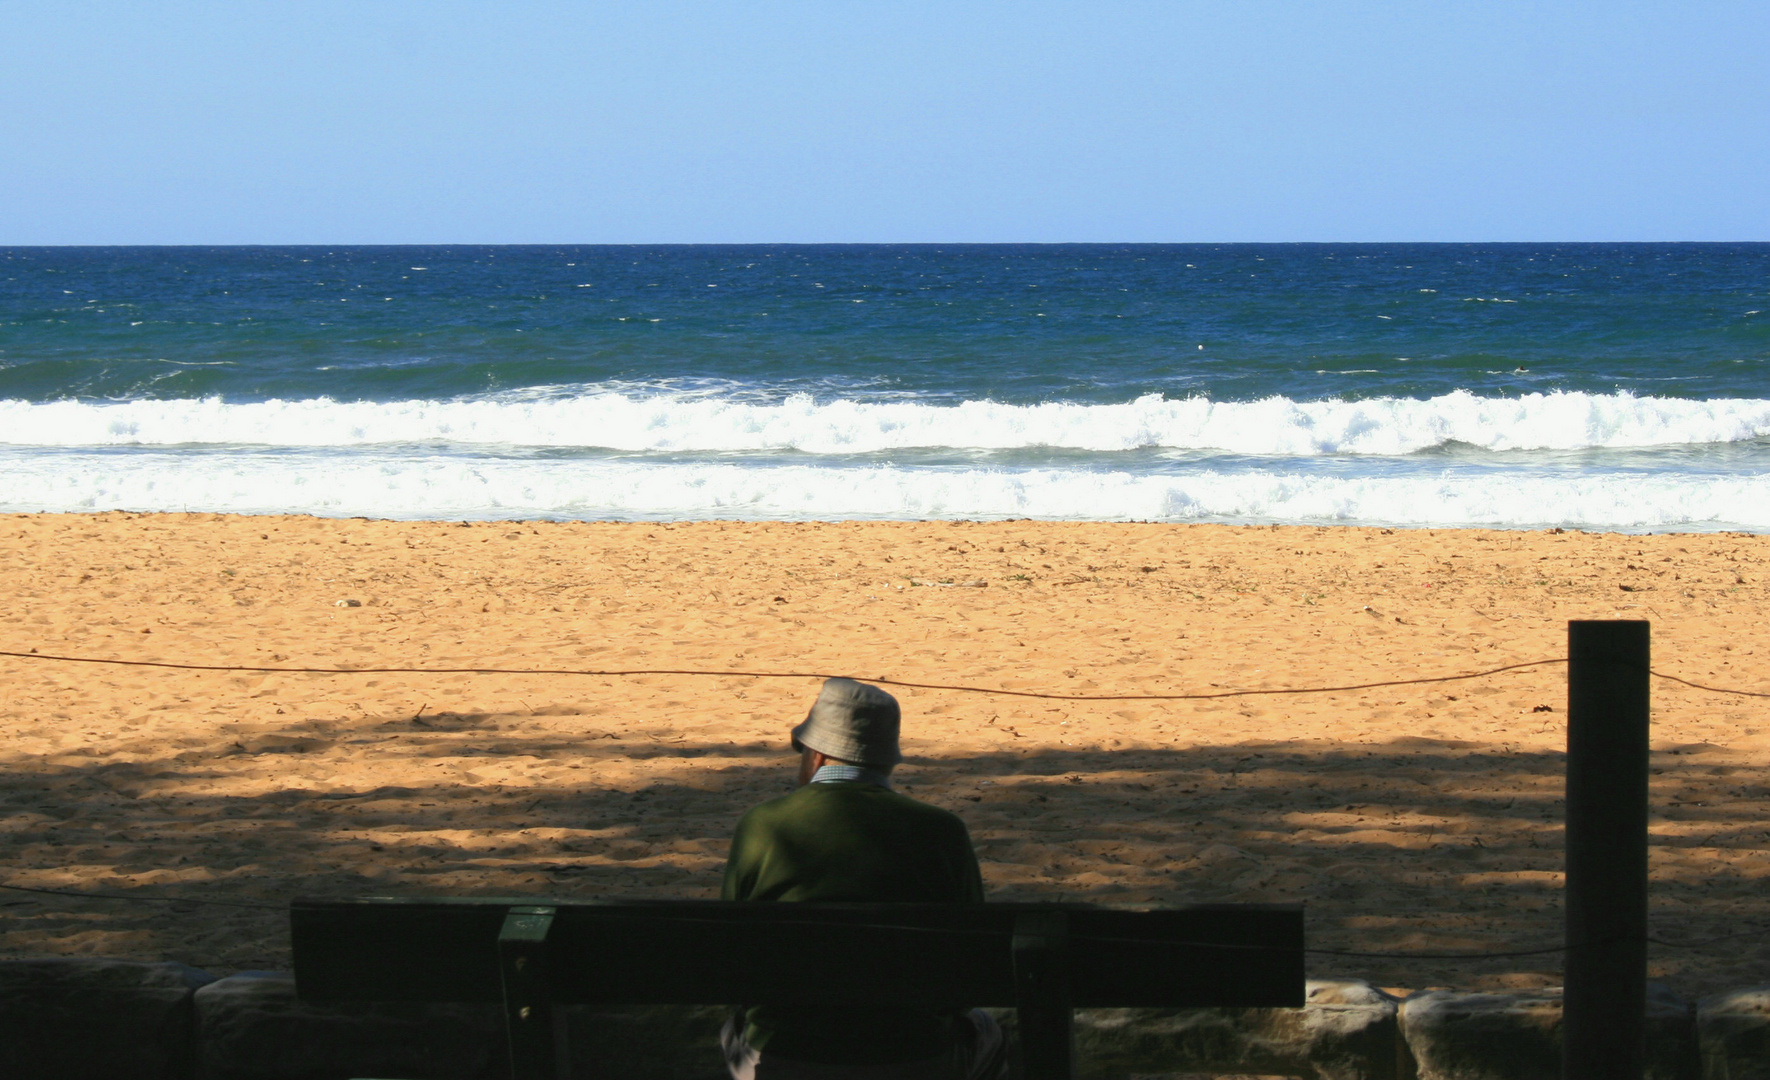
445, 488
665, 422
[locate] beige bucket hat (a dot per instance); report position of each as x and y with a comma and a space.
852, 721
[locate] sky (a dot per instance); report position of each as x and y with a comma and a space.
527, 122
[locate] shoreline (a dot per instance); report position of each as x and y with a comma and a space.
1404, 817
662, 519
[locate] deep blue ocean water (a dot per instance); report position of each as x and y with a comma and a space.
1616, 386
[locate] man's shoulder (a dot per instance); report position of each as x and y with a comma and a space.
815, 799
851, 841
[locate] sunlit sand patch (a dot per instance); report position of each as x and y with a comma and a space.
1413, 817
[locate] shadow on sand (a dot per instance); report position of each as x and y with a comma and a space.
1410, 845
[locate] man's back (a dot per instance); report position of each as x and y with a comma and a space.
851, 840
857, 841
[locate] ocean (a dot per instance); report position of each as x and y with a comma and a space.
1590, 386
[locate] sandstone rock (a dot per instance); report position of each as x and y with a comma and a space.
1734, 1033
647, 1042
75, 1019
253, 1027
1453, 1035
1346, 1031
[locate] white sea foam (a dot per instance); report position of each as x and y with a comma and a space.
448, 487
661, 421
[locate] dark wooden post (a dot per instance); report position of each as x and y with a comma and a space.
528, 995
1606, 894
1042, 995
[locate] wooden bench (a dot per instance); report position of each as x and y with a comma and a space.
1042, 959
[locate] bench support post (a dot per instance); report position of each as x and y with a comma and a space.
1606, 891
536, 1051
1042, 995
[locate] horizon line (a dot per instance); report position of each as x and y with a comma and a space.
878, 243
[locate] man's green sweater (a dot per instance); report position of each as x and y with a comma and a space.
854, 841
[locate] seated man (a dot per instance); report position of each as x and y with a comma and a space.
845, 835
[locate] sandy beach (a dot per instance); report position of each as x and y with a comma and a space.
1404, 817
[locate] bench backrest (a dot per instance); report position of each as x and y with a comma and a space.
1042, 959
711, 952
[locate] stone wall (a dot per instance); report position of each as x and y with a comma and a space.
118, 1020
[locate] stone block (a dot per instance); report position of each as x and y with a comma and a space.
1733, 1031
73, 1019
1452, 1035
647, 1042
1346, 1031
253, 1027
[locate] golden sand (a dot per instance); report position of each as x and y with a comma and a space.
1405, 817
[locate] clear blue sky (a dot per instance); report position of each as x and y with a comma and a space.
514, 122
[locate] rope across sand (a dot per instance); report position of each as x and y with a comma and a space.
1410, 818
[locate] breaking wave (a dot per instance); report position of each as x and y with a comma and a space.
674, 422
452, 487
